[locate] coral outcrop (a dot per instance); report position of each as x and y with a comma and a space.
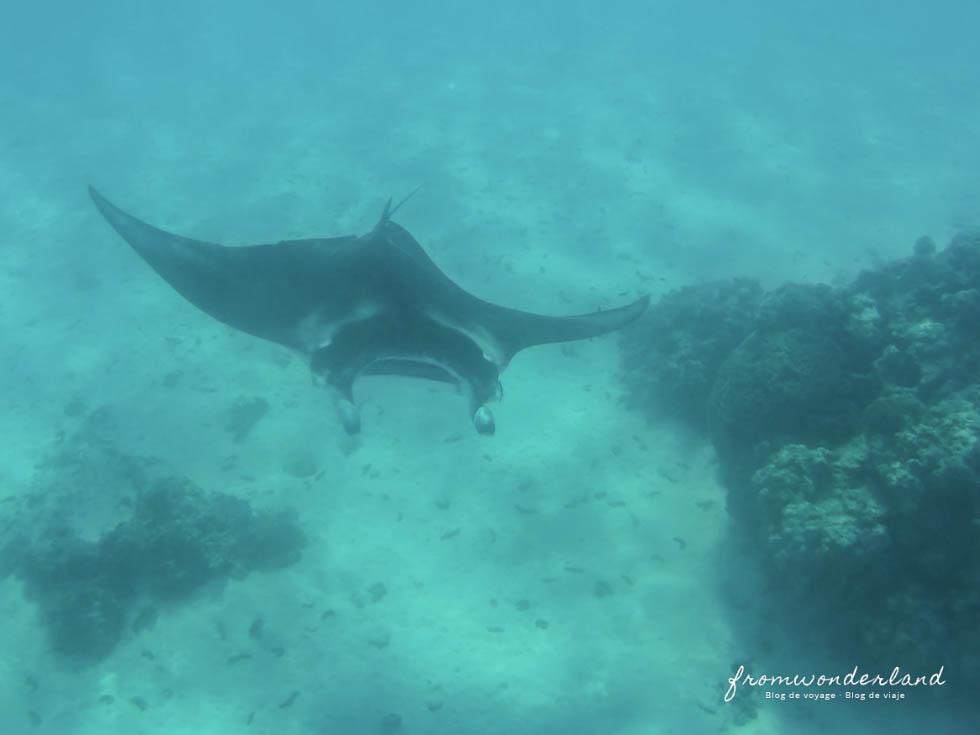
847, 424
176, 539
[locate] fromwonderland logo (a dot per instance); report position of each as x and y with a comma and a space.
896, 679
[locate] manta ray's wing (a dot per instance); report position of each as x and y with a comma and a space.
270, 291
514, 330
500, 332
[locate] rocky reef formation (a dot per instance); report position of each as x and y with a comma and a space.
847, 425
168, 539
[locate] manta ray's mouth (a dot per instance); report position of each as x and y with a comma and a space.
412, 346
411, 367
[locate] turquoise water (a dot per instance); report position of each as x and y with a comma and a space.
571, 156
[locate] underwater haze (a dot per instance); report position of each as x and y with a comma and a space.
777, 468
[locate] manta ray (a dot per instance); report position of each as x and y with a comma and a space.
373, 304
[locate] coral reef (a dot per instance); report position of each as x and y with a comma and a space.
783, 385
673, 354
847, 424
176, 539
